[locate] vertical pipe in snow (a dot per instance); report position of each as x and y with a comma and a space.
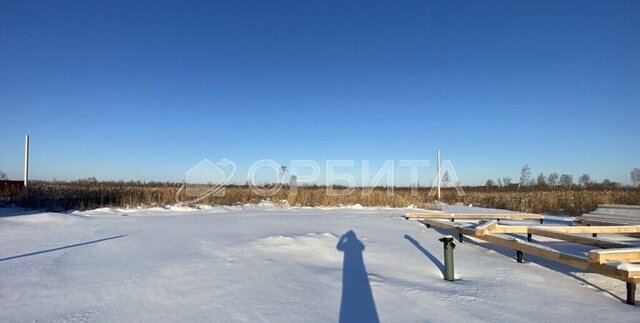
26, 161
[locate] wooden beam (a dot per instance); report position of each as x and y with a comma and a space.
595, 229
558, 232
623, 255
516, 229
475, 216
601, 222
598, 242
563, 232
569, 229
633, 269
486, 227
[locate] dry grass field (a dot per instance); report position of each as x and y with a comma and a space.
59, 196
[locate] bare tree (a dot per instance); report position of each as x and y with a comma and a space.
499, 181
635, 176
446, 178
283, 169
507, 181
541, 180
608, 184
584, 180
525, 175
566, 180
293, 184
552, 179
490, 183
88, 180
3, 175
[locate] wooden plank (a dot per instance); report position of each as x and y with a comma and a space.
560, 233
613, 214
615, 217
475, 216
447, 225
595, 229
602, 222
521, 229
623, 255
571, 229
633, 269
619, 206
516, 229
582, 263
603, 212
598, 242
607, 221
486, 227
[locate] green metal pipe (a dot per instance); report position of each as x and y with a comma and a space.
449, 245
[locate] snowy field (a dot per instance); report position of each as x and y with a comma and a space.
271, 264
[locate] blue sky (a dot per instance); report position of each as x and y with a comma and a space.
140, 90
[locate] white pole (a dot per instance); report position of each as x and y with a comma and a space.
438, 171
26, 161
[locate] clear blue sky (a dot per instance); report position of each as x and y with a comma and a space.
140, 90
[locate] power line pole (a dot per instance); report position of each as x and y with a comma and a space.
26, 161
438, 171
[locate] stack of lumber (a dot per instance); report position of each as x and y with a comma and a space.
609, 214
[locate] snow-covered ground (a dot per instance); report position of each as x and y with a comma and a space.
272, 264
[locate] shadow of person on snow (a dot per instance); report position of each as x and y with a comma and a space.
357, 300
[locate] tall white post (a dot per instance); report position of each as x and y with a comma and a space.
26, 161
438, 171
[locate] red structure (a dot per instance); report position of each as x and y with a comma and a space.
6, 185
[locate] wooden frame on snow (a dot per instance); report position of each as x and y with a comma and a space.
616, 263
